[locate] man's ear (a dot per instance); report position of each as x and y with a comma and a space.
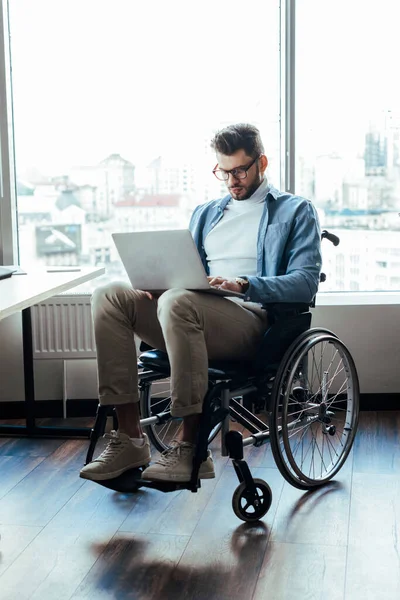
263, 163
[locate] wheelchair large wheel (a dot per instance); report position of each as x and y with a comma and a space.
314, 409
156, 399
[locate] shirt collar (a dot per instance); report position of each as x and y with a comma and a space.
274, 192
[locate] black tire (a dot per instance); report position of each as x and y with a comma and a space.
251, 512
156, 398
322, 406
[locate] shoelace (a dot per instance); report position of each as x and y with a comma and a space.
113, 446
171, 456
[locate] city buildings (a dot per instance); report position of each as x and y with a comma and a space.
68, 218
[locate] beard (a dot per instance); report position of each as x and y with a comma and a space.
244, 192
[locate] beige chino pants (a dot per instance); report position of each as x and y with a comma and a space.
192, 327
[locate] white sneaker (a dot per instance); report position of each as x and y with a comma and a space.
176, 464
120, 455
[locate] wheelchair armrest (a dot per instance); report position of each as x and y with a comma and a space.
285, 310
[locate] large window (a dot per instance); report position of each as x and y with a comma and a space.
348, 135
115, 103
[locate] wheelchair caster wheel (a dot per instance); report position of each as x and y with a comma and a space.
250, 506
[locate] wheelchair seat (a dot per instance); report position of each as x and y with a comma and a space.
157, 360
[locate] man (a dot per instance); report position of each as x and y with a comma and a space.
256, 240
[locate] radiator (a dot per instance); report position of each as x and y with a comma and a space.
62, 328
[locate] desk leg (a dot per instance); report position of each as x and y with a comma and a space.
27, 341
31, 429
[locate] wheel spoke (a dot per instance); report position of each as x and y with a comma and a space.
153, 404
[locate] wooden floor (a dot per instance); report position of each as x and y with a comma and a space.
66, 538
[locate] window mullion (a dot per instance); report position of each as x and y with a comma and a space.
287, 27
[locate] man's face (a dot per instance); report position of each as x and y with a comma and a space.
241, 189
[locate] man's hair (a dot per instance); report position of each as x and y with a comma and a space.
242, 136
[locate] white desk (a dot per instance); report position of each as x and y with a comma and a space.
19, 293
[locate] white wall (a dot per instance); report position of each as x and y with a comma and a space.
371, 332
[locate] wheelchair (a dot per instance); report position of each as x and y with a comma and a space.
300, 394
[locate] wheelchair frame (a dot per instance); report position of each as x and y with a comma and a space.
232, 444
290, 332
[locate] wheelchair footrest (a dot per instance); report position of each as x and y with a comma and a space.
127, 483
130, 481
169, 486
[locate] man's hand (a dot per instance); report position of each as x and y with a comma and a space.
152, 295
225, 284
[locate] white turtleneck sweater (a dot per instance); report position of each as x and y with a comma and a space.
231, 247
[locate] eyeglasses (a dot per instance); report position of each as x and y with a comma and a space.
239, 173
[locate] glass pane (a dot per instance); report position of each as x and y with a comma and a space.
115, 103
348, 136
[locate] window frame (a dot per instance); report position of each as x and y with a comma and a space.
8, 202
9, 253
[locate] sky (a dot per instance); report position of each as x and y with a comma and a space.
347, 71
94, 77
137, 78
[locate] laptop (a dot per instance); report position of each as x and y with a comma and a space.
156, 261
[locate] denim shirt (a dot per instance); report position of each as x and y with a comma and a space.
288, 247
